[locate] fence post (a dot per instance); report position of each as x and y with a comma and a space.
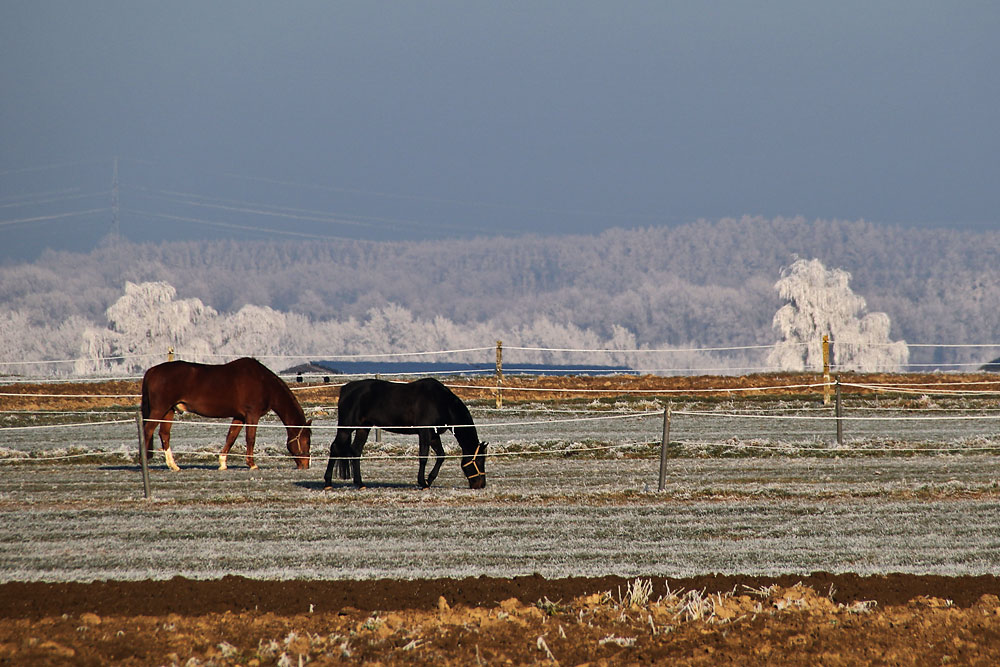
170, 354
143, 457
378, 431
839, 412
826, 369
663, 447
499, 373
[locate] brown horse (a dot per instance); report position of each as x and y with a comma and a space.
243, 389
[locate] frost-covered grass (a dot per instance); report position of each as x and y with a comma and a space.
553, 516
743, 493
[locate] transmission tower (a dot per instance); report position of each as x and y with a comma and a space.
116, 239
115, 225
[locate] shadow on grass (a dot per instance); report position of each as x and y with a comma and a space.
138, 468
349, 486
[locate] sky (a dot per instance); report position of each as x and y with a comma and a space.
425, 120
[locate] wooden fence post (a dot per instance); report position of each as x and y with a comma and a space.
170, 354
826, 369
664, 443
143, 456
499, 374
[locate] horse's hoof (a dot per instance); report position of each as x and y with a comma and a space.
254, 468
328, 488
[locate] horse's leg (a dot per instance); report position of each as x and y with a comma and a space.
424, 448
168, 421
335, 448
438, 456
148, 428
234, 432
360, 438
251, 439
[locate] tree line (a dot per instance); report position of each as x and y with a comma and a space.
704, 284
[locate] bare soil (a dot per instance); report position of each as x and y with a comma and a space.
817, 619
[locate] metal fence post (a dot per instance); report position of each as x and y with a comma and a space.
143, 456
664, 442
499, 374
840, 422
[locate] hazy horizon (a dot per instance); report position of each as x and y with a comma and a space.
443, 120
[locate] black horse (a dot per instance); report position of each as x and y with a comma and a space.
425, 407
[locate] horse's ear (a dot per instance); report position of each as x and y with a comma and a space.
309, 423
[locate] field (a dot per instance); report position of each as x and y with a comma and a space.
770, 542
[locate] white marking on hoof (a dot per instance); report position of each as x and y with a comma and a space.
222, 462
170, 460
254, 467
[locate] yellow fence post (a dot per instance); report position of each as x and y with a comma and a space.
499, 373
170, 354
826, 370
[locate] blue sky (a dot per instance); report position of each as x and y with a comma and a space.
444, 119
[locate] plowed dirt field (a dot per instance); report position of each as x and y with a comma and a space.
820, 619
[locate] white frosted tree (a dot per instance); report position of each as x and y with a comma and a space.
250, 331
820, 302
144, 323
29, 347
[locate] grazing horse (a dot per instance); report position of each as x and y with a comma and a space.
424, 407
243, 389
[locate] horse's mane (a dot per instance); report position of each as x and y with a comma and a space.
459, 411
279, 385
459, 414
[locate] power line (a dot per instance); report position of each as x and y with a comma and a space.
381, 194
47, 218
115, 226
227, 225
50, 200
310, 215
51, 195
49, 167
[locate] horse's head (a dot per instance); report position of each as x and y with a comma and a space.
299, 442
474, 466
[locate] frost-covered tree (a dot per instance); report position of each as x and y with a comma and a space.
32, 347
250, 331
144, 323
820, 302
